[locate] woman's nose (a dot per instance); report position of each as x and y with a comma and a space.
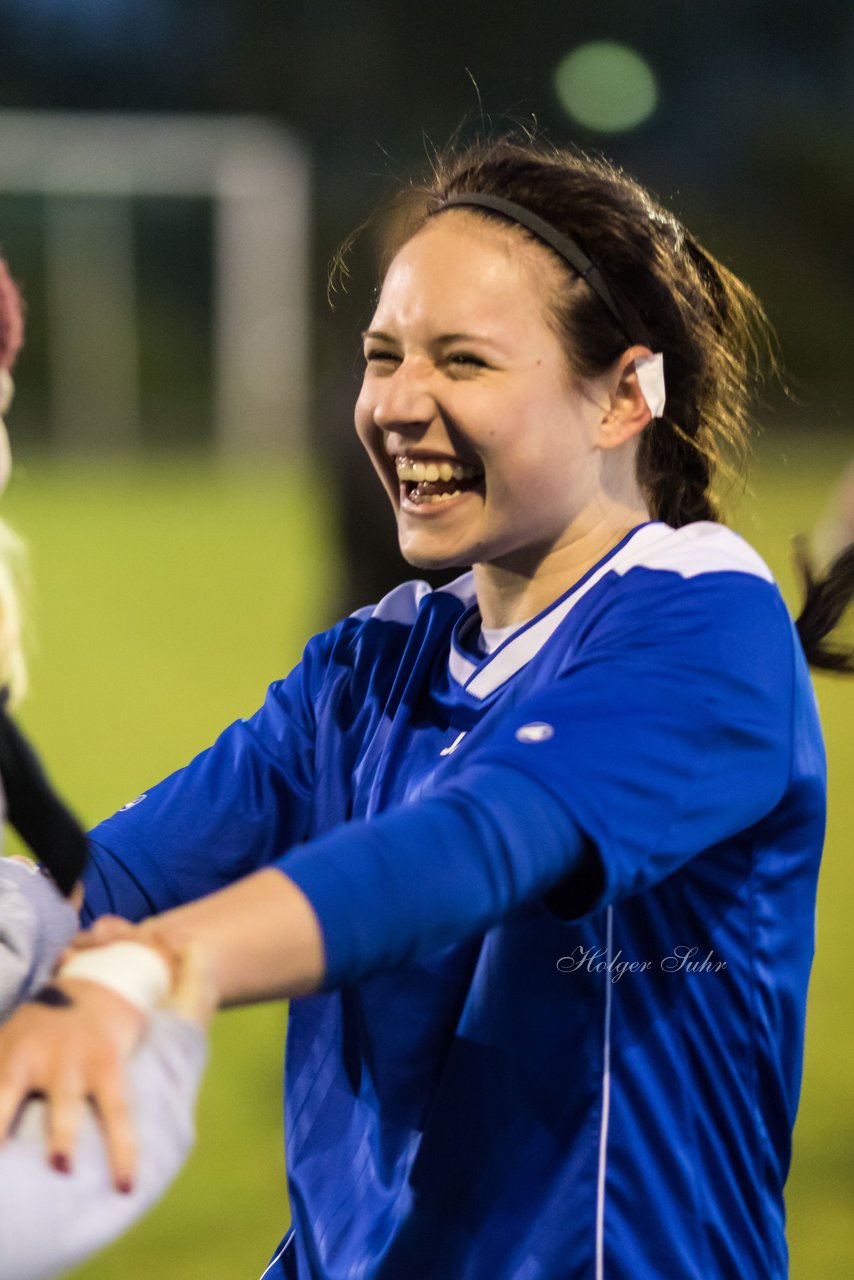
403, 398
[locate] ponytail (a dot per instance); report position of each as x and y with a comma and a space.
827, 596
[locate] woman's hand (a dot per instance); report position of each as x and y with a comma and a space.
258, 939
261, 936
73, 1051
72, 1045
194, 992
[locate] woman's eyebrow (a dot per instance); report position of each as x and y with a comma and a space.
447, 338
443, 340
378, 334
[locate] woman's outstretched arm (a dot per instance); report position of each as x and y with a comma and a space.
261, 933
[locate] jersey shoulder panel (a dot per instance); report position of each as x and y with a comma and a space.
694, 596
693, 549
641, 588
664, 577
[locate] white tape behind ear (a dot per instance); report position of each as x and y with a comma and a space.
650, 371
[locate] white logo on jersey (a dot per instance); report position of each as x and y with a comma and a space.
446, 751
131, 803
536, 731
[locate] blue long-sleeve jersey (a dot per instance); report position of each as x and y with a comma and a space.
567, 898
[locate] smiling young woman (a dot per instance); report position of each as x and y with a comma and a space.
464, 370
601, 740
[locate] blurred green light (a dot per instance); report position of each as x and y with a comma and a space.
606, 86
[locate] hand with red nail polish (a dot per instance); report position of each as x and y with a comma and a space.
75, 1054
64, 1057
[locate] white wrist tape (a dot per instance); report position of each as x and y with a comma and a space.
134, 971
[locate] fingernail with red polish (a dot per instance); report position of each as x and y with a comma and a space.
125, 1186
60, 1163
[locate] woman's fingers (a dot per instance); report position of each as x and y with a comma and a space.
73, 1055
15, 1084
66, 1101
194, 994
113, 1112
24, 1065
104, 930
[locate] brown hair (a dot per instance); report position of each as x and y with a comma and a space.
674, 297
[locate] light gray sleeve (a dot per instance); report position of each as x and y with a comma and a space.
50, 1221
36, 923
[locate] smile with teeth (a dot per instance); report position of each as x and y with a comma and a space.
432, 481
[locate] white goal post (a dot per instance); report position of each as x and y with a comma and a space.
89, 168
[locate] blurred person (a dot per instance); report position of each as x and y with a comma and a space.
50, 1218
36, 918
835, 530
538, 850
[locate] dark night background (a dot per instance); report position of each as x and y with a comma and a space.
751, 140
750, 143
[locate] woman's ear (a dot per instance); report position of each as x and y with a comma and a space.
629, 411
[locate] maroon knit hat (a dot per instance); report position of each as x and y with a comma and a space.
11, 319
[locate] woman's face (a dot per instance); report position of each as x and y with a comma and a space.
484, 442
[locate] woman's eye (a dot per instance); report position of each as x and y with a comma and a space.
465, 359
378, 356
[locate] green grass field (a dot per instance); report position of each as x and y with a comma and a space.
166, 597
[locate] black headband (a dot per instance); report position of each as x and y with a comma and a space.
562, 245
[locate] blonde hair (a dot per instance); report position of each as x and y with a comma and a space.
13, 666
